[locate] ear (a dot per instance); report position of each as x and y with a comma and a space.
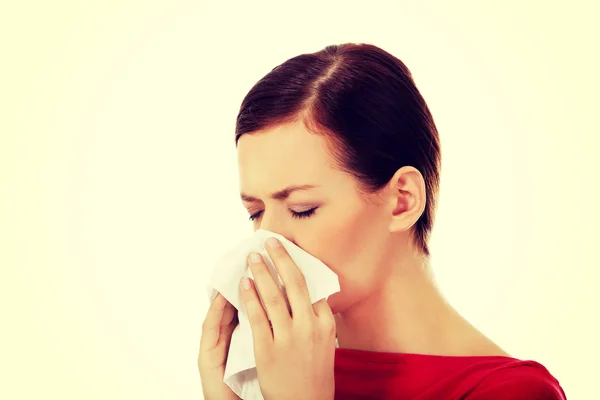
407, 198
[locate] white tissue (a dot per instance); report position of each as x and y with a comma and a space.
240, 370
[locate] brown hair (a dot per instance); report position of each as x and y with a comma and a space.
366, 101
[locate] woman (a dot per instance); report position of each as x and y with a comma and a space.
338, 152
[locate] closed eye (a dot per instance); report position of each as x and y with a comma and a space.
255, 216
303, 214
295, 214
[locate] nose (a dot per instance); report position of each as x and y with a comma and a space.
272, 222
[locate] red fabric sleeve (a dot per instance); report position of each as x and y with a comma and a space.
528, 381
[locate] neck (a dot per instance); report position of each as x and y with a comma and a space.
405, 314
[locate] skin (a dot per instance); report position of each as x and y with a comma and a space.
388, 301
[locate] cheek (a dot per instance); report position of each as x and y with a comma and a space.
348, 239
343, 241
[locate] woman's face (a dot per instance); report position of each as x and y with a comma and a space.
325, 215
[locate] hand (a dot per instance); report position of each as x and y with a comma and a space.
218, 326
295, 357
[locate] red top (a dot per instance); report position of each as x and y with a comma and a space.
372, 375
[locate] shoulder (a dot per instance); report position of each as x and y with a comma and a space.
518, 380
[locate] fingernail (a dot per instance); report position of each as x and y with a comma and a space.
254, 258
272, 242
246, 283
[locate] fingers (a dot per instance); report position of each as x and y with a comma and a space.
270, 293
275, 307
259, 323
293, 279
220, 315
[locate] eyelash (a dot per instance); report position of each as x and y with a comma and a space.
298, 215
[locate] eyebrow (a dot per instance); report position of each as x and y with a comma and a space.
280, 194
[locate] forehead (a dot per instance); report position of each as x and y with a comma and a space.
285, 155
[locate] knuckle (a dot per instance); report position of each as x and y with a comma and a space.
316, 335
307, 328
273, 299
328, 326
300, 282
254, 310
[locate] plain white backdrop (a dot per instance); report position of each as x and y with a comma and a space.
119, 177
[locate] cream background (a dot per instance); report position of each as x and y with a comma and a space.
118, 182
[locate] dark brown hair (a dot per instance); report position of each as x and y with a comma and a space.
363, 99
